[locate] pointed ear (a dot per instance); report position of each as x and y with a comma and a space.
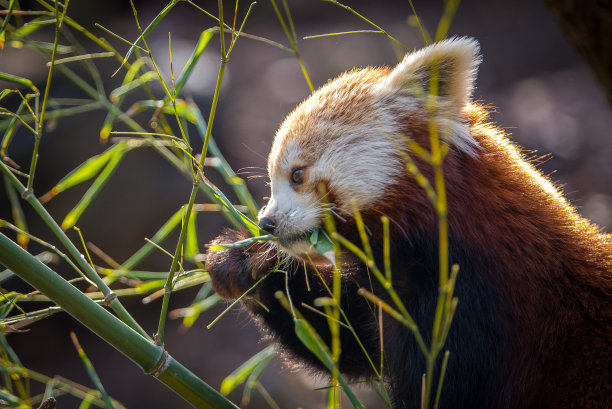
455, 60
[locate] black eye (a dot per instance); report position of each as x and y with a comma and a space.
297, 176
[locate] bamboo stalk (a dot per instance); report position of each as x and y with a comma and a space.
153, 359
112, 300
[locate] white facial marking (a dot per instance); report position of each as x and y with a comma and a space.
295, 214
346, 135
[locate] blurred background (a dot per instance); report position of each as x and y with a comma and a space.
545, 97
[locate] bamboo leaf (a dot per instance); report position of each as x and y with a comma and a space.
11, 299
237, 377
13, 123
11, 5
31, 316
87, 401
130, 86
204, 292
85, 171
309, 337
73, 216
251, 382
17, 213
107, 126
323, 244
158, 237
150, 286
238, 216
11, 400
242, 243
41, 45
192, 313
28, 29
311, 340
17, 80
92, 372
147, 30
191, 241
182, 109
195, 56
224, 167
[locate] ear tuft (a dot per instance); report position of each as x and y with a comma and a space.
457, 60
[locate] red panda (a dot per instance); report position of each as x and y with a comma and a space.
533, 327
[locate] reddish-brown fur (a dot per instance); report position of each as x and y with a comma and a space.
554, 268
534, 288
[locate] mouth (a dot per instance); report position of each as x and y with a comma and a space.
301, 247
297, 245
297, 238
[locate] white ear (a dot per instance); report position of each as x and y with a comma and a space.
457, 61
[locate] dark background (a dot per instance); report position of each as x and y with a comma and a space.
544, 96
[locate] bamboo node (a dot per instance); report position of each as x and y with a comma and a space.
110, 298
161, 366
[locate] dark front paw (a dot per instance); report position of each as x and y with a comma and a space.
235, 270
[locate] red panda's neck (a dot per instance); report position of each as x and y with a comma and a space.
519, 245
500, 205
523, 235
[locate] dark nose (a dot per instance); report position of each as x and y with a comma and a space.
267, 223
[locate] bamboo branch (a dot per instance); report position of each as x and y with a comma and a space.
153, 359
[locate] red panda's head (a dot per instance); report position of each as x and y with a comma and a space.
346, 135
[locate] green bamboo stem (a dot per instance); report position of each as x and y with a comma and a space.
242, 33
292, 40
369, 22
159, 337
196, 185
147, 30
112, 300
333, 323
39, 124
171, 96
348, 324
11, 128
437, 159
7, 18
92, 372
424, 33
225, 169
153, 359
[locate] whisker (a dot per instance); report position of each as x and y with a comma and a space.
395, 223
252, 167
250, 172
254, 151
256, 177
335, 213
